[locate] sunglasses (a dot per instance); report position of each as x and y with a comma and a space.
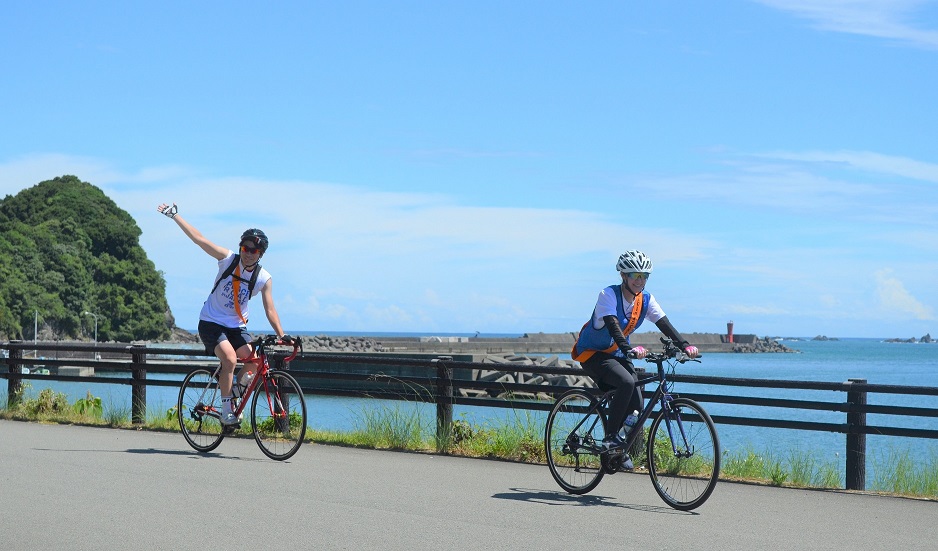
249, 250
638, 275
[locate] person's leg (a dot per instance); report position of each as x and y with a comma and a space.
240, 340
215, 338
229, 358
614, 372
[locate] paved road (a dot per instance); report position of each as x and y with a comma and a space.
64, 487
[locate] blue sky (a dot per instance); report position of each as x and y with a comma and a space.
479, 166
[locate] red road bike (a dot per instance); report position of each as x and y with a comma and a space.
277, 405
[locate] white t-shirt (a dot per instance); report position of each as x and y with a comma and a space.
219, 306
606, 306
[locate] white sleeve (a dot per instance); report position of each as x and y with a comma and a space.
605, 306
654, 312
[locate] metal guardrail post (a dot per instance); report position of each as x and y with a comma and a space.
14, 383
856, 440
138, 388
444, 404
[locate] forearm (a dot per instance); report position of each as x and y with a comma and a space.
199, 239
664, 325
267, 296
612, 326
274, 320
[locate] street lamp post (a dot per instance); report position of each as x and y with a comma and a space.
87, 313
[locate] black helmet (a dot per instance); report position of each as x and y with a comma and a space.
257, 237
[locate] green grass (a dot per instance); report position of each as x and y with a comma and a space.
398, 427
796, 469
517, 438
898, 473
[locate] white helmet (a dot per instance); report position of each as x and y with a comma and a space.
634, 261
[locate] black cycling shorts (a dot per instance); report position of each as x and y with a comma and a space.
212, 334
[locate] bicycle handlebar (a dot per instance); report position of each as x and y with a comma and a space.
670, 351
263, 341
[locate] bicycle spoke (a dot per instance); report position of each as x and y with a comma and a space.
684, 455
278, 416
570, 440
197, 411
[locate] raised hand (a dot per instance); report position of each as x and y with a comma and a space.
167, 210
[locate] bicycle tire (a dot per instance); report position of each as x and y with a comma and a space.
278, 415
197, 410
684, 481
573, 432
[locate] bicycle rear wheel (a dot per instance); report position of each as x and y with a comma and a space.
278, 415
574, 430
198, 410
684, 455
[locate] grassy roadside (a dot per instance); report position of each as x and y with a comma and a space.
519, 438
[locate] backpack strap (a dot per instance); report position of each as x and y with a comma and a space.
230, 270
257, 269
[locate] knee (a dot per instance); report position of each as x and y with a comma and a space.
227, 356
244, 352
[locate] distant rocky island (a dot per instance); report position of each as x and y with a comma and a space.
926, 339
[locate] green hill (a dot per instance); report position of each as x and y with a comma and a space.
68, 249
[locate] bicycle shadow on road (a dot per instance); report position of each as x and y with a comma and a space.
553, 497
155, 451
190, 453
147, 451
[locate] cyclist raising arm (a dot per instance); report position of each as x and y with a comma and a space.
603, 348
224, 316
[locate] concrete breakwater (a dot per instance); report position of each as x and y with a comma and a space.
529, 343
504, 355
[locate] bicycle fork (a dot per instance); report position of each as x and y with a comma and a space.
673, 414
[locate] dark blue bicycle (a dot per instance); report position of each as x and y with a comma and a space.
680, 450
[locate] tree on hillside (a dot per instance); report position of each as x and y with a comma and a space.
71, 249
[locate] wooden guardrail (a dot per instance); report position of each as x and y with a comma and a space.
442, 380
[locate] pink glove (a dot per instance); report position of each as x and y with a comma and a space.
692, 351
638, 352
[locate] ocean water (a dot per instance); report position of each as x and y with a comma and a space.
876, 361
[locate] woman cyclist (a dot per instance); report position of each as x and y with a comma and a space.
603, 348
223, 319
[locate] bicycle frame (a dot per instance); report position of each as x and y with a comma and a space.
662, 397
259, 358
278, 421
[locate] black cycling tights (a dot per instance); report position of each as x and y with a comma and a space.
611, 372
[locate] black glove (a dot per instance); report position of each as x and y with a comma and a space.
287, 339
169, 211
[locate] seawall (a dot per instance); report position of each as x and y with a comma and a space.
561, 343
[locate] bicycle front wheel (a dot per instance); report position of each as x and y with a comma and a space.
575, 428
683, 454
278, 415
198, 410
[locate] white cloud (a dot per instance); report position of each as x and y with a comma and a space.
756, 310
836, 187
889, 19
27, 171
365, 259
866, 161
895, 298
